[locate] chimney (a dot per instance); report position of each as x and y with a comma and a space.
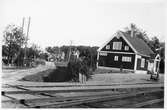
132, 30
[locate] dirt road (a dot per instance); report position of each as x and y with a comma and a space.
14, 75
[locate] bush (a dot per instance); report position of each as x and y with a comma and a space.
5, 61
39, 62
59, 74
78, 66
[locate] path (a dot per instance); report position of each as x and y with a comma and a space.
14, 75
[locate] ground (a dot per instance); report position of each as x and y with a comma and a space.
12, 76
107, 80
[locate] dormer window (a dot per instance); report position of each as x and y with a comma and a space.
117, 45
126, 48
107, 47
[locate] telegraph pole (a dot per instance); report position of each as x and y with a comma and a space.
27, 38
20, 42
23, 25
70, 51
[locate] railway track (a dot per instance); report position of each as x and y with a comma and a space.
80, 97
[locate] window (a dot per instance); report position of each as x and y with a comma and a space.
117, 45
142, 62
116, 58
126, 59
103, 54
126, 47
107, 47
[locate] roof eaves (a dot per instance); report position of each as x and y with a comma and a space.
128, 42
107, 42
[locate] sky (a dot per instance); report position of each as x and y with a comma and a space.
84, 22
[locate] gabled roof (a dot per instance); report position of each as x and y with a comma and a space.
138, 45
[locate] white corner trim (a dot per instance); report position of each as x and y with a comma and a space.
97, 60
135, 66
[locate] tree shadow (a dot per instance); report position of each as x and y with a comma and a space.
60, 74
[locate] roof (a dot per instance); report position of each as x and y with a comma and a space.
138, 44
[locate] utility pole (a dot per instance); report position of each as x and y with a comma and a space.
91, 59
23, 25
27, 38
70, 51
23, 36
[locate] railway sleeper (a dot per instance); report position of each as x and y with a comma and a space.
123, 102
90, 100
126, 102
78, 90
146, 103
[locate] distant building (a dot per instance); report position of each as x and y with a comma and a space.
154, 63
124, 51
75, 55
56, 56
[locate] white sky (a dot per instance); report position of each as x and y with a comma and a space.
85, 22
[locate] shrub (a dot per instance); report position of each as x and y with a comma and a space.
59, 74
5, 61
78, 66
39, 62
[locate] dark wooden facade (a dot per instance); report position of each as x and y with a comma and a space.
108, 61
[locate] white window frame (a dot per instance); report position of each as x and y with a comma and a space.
117, 45
115, 58
126, 59
107, 47
142, 63
126, 48
103, 54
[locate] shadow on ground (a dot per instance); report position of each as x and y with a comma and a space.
59, 74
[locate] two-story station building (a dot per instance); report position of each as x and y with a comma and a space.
124, 51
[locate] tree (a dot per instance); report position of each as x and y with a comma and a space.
35, 51
154, 44
78, 66
49, 50
14, 40
4, 51
66, 50
44, 56
141, 34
